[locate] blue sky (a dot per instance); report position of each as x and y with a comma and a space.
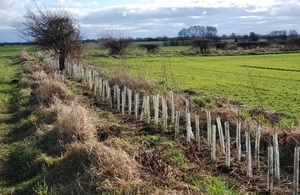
152, 18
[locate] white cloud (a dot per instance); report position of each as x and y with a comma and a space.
166, 17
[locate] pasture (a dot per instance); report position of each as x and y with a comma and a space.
268, 81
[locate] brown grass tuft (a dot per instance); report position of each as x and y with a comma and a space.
112, 163
73, 122
99, 169
123, 78
48, 88
24, 56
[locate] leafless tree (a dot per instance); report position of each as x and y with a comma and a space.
114, 41
52, 30
150, 47
202, 43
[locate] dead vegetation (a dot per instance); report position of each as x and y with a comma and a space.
126, 157
125, 79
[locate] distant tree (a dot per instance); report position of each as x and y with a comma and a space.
202, 43
224, 36
54, 30
293, 42
150, 47
293, 33
183, 33
263, 44
114, 41
221, 45
253, 37
232, 35
278, 36
174, 42
198, 31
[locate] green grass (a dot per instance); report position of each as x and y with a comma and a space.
213, 186
268, 80
13, 50
21, 164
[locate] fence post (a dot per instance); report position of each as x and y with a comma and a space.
164, 112
238, 140
270, 169
257, 145
147, 109
189, 132
123, 102
118, 98
172, 106
136, 105
103, 89
276, 157
100, 87
129, 93
213, 143
221, 135
209, 136
177, 118
296, 171
156, 108
143, 108
197, 124
248, 152
227, 135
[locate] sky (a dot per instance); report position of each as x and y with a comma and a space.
157, 18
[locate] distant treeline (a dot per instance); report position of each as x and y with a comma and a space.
15, 43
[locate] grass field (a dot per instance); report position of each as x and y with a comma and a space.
271, 81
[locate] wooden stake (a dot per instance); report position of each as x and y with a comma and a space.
221, 135
136, 105
197, 124
238, 140
209, 136
270, 169
213, 143
129, 93
177, 118
296, 171
156, 108
276, 157
172, 107
248, 152
227, 135
257, 145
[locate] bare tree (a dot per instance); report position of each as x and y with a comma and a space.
52, 30
202, 43
198, 32
150, 47
114, 41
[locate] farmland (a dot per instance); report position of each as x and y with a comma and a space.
268, 81
233, 76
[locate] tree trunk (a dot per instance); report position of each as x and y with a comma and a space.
62, 62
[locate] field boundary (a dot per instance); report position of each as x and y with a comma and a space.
128, 102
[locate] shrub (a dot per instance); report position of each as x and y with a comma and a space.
150, 47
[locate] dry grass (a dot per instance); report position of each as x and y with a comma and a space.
24, 56
73, 122
115, 165
62, 124
48, 88
123, 78
102, 170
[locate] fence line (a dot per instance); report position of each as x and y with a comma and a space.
122, 100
